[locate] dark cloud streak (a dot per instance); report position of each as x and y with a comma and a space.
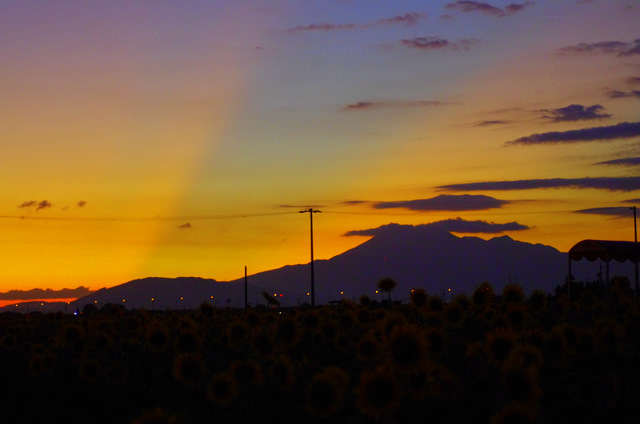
408, 19
635, 161
457, 225
622, 211
438, 43
612, 132
446, 202
575, 113
617, 94
364, 105
618, 48
467, 6
600, 183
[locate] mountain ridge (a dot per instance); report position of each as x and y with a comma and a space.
414, 256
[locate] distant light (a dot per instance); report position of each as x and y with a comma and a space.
281, 295
341, 292
123, 300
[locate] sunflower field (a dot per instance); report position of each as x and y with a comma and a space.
483, 358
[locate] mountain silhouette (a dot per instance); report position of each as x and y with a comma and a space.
420, 257
415, 256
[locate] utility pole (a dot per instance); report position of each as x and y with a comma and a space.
311, 211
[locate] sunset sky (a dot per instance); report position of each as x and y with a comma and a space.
183, 138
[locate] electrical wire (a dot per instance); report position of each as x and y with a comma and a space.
145, 219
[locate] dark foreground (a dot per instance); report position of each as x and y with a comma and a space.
478, 359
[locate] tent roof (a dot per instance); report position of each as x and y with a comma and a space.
606, 250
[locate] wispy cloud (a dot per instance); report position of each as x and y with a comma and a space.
185, 226
457, 225
617, 48
407, 19
81, 204
635, 161
622, 211
612, 132
601, 183
490, 123
45, 204
575, 113
617, 94
28, 204
446, 202
438, 43
488, 9
365, 105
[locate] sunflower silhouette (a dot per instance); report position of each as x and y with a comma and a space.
326, 394
377, 393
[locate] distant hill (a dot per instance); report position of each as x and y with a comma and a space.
415, 256
422, 257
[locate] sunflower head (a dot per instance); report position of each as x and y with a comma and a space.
377, 393
406, 346
188, 368
326, 394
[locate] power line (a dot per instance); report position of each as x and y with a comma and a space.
144, 219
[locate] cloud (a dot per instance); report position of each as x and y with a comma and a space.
575, 113
457, 225
45, 294
635, 161
44, 205
446, 202
364, 105
437, 43
618, 48
622, 211
354, 202
81, 204
487, 9
612, 132
491, 123
617, 94
633, 81
600, 183
185, 226
407, 19
28, 204
323, 27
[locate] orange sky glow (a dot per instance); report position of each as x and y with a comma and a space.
182, 139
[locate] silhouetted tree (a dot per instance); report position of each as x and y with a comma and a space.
386, 285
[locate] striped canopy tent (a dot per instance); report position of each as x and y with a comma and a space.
606, 251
